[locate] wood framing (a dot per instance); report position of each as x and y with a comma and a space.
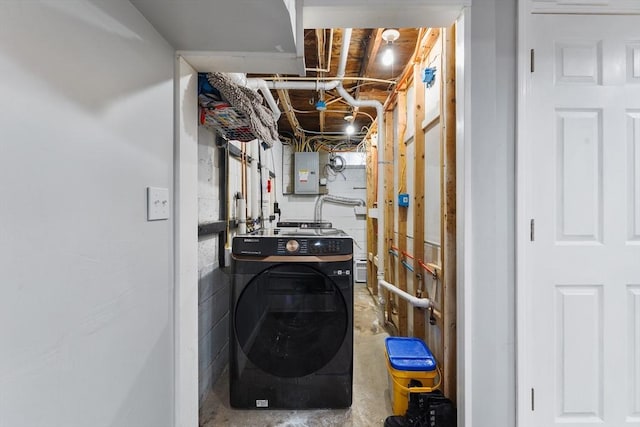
418, 199
372, 223
402, 212
448, 209
388, 204
441, 336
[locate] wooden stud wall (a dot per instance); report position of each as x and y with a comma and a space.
401, 170
388, 204
441, 335
372, 223
418, 199
448, 216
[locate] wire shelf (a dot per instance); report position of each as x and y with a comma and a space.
230, 123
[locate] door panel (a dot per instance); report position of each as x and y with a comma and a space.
584, 266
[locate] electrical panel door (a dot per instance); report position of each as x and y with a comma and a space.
306, 173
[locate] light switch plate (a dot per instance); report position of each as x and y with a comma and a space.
157, 203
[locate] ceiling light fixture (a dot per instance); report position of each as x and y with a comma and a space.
350, 129
389, 35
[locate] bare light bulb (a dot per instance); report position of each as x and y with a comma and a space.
387, 56
350, 129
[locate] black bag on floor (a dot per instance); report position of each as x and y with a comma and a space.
425, 410
441, 412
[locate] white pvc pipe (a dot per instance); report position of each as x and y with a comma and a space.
415, 301
305, 85
257, 84
318, 85
264, 88
381, 154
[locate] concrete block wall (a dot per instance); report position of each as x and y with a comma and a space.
213, 283
213, 328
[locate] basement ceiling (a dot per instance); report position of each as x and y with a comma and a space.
366, 78
277, 39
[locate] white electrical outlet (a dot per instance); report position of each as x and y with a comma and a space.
157, 203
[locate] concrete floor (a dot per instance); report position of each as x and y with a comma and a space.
371, 401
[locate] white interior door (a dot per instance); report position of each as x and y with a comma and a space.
583, 267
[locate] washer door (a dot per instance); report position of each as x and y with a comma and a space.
290, 320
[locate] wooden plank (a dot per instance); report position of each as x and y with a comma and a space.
402, 212
372, 223
448, 217
418, 204
388, 204
369, 58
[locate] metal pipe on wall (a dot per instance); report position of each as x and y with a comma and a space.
255, 183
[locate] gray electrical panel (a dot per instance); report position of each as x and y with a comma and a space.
306, 174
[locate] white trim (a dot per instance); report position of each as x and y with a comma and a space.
185, 301
523, 217
464, 221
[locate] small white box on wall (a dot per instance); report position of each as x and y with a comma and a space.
158, 207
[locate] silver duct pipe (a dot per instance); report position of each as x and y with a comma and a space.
317, 215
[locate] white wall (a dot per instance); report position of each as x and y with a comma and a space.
186, 246
86, 294
489, 272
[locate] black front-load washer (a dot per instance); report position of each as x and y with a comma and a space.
291, 338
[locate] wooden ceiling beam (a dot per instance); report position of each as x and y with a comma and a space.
372, 52
373, 46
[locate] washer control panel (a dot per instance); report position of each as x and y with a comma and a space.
306, 246
292, 246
